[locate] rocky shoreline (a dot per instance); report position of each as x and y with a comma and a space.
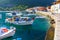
50, 34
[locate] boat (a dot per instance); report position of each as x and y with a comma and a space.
29, 14
5, 32
13, 14
40, 17
20, 21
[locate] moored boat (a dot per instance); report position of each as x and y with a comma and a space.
40, 17
5, 32
20, 21
29, 15
13, 14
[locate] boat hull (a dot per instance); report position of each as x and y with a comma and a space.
22, 23
8, 34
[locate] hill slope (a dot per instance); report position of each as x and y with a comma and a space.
30, 3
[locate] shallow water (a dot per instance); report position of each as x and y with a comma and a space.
36, 31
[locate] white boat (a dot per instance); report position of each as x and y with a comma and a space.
22, 21
4, 33
13, 14
40, 17
29, 15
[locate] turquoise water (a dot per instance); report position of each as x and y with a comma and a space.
36, 31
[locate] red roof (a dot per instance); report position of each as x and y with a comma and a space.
41, 8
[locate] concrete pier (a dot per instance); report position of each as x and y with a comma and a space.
57, 27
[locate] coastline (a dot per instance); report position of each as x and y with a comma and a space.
50, 32
51, 29
49, 15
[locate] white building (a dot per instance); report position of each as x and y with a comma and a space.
55, 8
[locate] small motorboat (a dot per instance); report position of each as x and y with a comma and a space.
40, 17
20, 21
5, 32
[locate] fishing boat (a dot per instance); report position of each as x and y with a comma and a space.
20, 21
5, 32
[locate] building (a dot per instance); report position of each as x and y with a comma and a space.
55, 8
34, 9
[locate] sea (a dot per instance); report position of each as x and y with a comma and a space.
36, 31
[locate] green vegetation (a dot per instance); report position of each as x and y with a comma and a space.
20, 8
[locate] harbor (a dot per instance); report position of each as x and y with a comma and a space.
30, 23
27, 32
